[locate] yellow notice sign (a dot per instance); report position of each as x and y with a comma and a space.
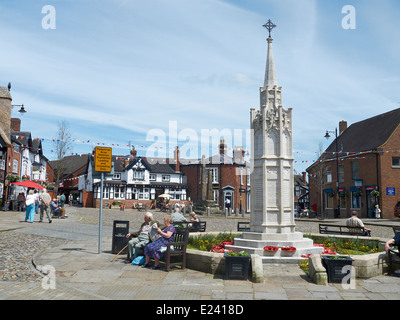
102, 159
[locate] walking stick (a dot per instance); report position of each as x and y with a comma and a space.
119, 252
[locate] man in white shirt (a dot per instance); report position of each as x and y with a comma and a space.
140, 238
354, 221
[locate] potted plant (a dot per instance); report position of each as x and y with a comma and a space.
288, 251
237, 265
335, 267
270, 250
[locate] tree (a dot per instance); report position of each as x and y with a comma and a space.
62, 145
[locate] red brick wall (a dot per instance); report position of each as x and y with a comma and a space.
390, 177
374, 169
226, 177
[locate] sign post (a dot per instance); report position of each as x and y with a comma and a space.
102, 163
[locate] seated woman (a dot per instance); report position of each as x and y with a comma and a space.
152, 250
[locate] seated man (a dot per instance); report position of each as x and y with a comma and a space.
196, 221
177, 217
393, 242
354, 221
57, 211
141, 237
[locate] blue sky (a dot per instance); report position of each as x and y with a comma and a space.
123, 72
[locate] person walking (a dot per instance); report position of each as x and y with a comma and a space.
30, 207
62, 200
45, 205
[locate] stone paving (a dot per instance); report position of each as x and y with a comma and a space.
70, 246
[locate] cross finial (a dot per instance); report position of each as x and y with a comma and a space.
269, 26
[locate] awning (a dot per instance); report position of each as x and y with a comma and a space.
29, 184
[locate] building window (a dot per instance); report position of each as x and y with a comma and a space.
144, 194
355, 200
117, 176
16, 148
328, 175
214, 174
395, 162
354, 170
166, 178
119, 193
106, 192
216, 195
328, 200
138, 175
153, 177
15, 166
341, 173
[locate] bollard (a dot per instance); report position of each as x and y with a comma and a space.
226, 212
236, 212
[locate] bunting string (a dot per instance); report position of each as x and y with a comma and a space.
141, 147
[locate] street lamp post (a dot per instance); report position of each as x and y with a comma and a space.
327, 136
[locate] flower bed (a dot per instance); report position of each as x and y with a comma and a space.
210, 242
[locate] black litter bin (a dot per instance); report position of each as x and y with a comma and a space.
334, 265
119, 240
237, 268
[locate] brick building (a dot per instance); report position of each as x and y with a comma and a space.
369, 169
230, 178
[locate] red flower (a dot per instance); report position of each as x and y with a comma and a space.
291, 249
270, 248
224, 243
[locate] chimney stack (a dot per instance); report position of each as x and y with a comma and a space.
238, 155
133, 152
222, 147
15, 124
304, 177
177, 159
342, 126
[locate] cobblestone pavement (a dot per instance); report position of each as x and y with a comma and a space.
20, 242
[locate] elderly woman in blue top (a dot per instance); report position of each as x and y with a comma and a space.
152, 250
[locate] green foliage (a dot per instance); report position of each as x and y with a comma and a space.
237, 254
206, 241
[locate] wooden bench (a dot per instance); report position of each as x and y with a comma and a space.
243, 226
341, 229
179, 245
396, 229
189, 225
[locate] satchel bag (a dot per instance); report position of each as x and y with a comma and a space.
29, 201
